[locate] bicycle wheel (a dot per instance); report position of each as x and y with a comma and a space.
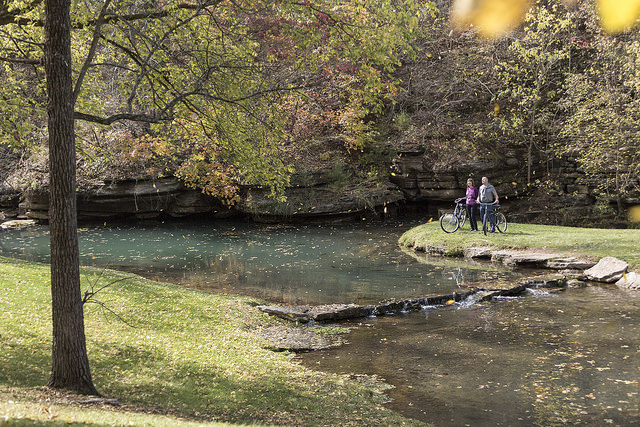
449, 222
501, 222
462, 218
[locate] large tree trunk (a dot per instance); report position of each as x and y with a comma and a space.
70, 364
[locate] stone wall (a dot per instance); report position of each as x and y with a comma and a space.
168, 197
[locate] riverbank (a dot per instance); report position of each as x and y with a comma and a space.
588, 243
166, 355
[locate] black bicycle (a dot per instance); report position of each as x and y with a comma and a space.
451, 221
496, 219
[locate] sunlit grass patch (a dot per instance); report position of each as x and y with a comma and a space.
589, 242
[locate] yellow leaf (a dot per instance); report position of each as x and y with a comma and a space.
450, 302
634, 214
492, 17
618, 15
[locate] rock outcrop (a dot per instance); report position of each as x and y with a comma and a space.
424, 182
141, 199
17, 223
145, 199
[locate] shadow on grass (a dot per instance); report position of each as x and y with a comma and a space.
24, 365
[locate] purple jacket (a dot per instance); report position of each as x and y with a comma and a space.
472, 195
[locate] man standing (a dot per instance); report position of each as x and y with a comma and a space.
487, 197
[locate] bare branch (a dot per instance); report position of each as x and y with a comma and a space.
147, 118
92, 50
26, 61
104, 307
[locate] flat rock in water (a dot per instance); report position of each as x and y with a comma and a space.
321, 313
569, 263
532, 259
608, 270
294, 339
324, 313
629, 281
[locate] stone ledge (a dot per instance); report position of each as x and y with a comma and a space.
552, 261
336, 312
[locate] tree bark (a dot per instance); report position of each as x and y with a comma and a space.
70, 364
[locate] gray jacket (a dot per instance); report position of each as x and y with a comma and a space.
487, 194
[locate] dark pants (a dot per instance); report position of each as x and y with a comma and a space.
491, 220
472, 214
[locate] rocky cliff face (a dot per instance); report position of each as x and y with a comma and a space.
168, 197
436, 186
316, 196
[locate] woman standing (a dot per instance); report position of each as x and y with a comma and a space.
472, 204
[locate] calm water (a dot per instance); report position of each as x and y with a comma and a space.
569, 358
298, 265
544, 359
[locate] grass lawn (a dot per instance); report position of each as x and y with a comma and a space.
593, 243
171, 356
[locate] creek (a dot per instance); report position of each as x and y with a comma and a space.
542, 359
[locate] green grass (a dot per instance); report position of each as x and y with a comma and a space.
592, 243
171, 356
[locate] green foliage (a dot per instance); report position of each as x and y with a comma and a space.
533, 78
225, 85
340, 177
603, 111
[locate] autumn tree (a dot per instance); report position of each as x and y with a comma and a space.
533, 76
602, 106
209, 78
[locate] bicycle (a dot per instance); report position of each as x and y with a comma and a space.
496, 218
451, 221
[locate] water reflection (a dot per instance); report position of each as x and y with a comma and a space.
299, 265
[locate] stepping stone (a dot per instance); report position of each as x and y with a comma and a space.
608, 270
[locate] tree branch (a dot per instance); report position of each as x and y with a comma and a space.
92, 50
147, 118
26, 61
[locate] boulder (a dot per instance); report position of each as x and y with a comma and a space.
607, 270
629, 281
